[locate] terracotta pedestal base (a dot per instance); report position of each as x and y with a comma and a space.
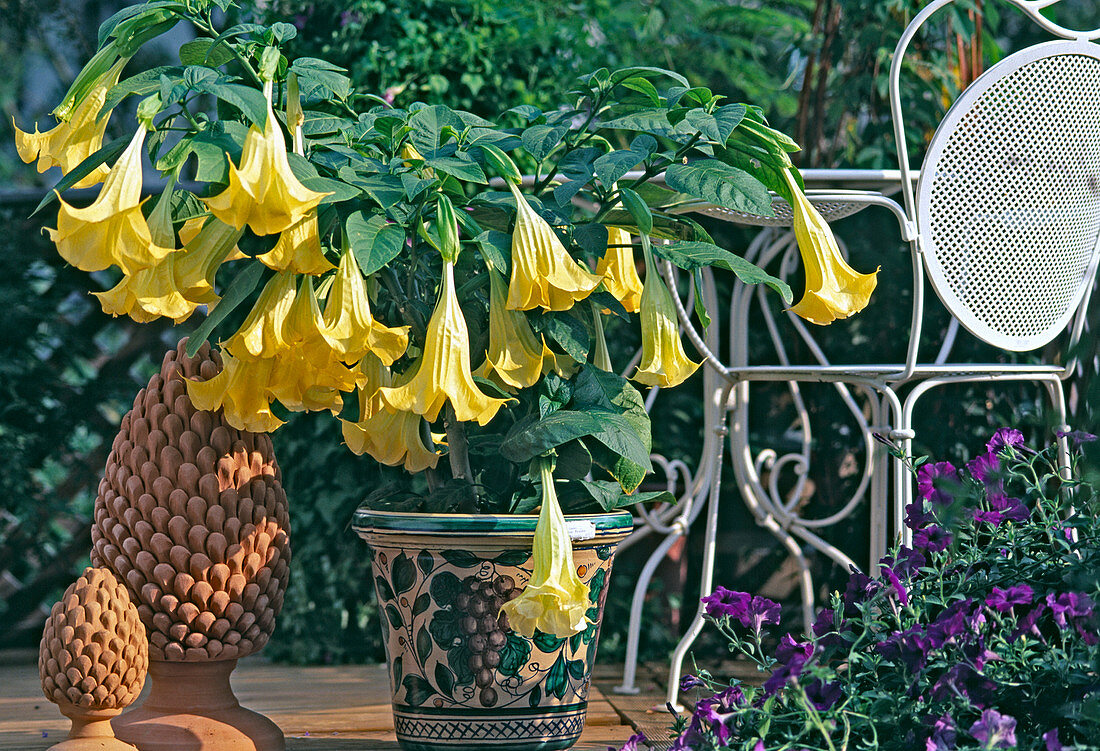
91, 730
191, 707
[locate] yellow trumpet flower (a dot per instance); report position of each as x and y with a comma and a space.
392, 438
241, 391
664, 362
443, 371
517, 356
298, 249
74, 139
207, 244
112, 231
261, 334
833, 288
620, 276
350, 323
263, 193
555, 599
543, 272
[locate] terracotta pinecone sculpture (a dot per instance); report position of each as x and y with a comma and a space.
192, 515
93, 658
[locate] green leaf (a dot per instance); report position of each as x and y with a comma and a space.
512, 558
610, 496
394, 616
646, 71
609, 428
540, 140
141, 84
386, 190
576, 669
423, 644
613, 165
706, 124
249, 101
205, 52
574, 461
86, 167
638, 209
428, 124
444, 628
722, 185
497, 247
645, 87
425, 561
421, 604
727, 119
461, 558
535, 697
565, 331
403, 574
317, 78
235, 294
592, 238
692, 255
546, 642
464, 168
444, 588
556, 683
374, 241
417, 690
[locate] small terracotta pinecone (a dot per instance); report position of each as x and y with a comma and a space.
93, 652
192, 515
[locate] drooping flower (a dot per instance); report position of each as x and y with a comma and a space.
1069, 605
241, 391
517, 356
620, 276
555, 599
833, 288
725, 603
900, 592
443, 372
792, 657
543, 273
298, 249
350, 323
1005, 438
76, 137
995, 730
263, 192
392, 438
664, 362
261, 334
207, 243
112, 230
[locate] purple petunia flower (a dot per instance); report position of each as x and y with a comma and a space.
988, 517
1003, 600
631, 743
1005, 437
824, 695
995, 730
984, 468
1076, 437
792, 657
895, 583
727, 603
1012, 509
689, 681
860, 587
935, 481
1071, 604
1027, 623
943, 735
825, 622
915, 515
1051, 738
761, 611
933, 539
909, 647
953, 623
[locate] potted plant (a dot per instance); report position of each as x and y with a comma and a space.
983, 635
338, 246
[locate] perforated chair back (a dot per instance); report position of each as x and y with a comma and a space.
1008, 201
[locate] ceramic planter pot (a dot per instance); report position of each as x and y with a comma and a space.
460, 676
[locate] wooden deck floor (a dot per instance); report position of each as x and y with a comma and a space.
336, 708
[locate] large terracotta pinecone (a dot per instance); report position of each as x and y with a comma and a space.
192, 515
93, 652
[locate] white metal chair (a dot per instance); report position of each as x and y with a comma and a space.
1003, 221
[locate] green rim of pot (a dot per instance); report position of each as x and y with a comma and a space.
366, 520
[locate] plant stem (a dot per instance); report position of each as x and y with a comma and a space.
459, 452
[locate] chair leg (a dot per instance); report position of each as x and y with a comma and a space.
1058, 402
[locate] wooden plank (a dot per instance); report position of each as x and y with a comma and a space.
329, 708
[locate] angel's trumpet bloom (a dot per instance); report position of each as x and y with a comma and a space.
833, 288
443, 371
392, 438
261, 334
263, 193
543, 272
207, 244
350, 323
620, 276
555, 599
76, 138
517, 356
298, 249
241, 391
664, 362
112, 231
